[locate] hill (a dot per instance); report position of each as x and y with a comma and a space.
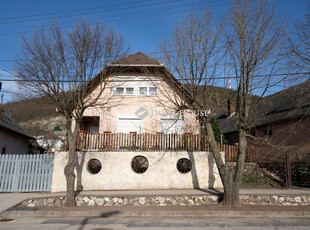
35, 115
29, 109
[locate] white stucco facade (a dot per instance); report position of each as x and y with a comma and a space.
117, 174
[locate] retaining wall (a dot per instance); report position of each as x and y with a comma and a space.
117, 173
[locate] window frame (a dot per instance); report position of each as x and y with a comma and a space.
155, 92
116, 92
146, 91
133, 91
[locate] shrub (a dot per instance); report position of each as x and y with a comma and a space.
57, 128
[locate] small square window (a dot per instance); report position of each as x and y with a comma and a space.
129, 90
153, 91
119, 90
143, 90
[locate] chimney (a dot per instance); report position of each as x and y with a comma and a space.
230, 107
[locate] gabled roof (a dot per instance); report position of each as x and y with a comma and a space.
137, 59
138, 62
8, 123
290, 103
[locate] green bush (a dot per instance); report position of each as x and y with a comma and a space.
251, 180
260, 181
57, 128
217, 131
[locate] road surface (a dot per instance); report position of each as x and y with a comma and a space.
151, 224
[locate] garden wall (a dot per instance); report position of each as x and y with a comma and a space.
156, 170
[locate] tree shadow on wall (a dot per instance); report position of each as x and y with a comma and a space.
195, 180
211, 181
79, 171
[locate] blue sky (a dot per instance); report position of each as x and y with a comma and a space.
143, 23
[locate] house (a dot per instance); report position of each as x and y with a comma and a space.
13, 139
136, 137
144, 97
280, 123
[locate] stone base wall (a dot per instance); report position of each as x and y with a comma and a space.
116, 171
168, 200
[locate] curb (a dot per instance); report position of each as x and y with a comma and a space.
159, 214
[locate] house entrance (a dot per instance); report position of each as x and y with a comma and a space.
90, 124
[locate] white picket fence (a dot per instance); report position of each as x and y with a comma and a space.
26, 173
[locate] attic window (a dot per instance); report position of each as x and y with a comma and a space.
153, 91
129, 90
143, 90
119, 90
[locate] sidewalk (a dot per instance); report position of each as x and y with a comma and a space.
8, 200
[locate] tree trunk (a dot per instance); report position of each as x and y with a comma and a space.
231, 189
231, 177
71, 165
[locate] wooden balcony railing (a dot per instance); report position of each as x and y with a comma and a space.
121, 142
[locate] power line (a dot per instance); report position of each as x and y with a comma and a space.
147, 53
179, 78
69, 11
6, 71
118, 21
200, 7
95, 12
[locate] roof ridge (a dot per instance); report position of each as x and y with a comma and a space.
138, 58
148, 56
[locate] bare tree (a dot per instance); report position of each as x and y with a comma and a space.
61, 66
255, 46
300, 44
253, 36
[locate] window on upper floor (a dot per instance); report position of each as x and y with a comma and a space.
119, 90
152, 91
143, 90
130, 90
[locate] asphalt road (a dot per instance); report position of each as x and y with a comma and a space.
151, 224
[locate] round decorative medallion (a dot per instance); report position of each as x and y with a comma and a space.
94, 166
139, 164
184, 165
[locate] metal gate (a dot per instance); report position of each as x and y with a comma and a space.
26, 173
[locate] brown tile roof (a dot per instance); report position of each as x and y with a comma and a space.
136, 59
290, 103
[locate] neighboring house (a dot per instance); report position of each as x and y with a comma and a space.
13, 139
281, 123
142, 96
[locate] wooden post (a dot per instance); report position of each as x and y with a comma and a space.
288, 171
